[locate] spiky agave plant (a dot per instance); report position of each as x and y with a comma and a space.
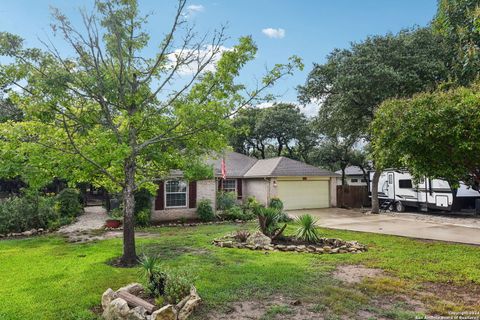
306, 231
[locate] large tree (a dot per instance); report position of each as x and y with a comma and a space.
353, 82
281, 129
436, 135
110, 113
458, 22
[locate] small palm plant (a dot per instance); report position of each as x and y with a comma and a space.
307, 231
152, 274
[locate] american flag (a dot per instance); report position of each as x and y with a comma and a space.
224, 169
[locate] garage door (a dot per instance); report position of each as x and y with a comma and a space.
304, 194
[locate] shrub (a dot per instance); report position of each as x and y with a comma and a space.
242, 235
283, 217
276, 203
116, 213
268, 219
251, 206
205, 210
142, 218
18, 214
143, 200
69, 203
307, 231
226, 200
177, 286
237, 213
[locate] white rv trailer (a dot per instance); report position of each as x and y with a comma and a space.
397, 190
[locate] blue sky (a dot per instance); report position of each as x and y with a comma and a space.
309, 28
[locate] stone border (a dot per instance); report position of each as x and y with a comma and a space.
24, 234
116, 308
330, 246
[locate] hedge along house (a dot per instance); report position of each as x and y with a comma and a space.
297, 184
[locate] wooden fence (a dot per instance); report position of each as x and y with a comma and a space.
353, 196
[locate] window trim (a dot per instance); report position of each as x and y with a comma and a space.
236, 187
166, 206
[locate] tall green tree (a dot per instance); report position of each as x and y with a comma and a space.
110, 113
432, 134
353, 82
458, 22
281, 129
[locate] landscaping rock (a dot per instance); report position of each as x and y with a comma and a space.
117, 310
107, 297
166, 313
259, 239
227, 244
137, 313
133, 288
187, 309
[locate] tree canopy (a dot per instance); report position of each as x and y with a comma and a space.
353, 82
112, 115
281, 129
458, 22
432, 134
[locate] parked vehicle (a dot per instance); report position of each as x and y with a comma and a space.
397, 190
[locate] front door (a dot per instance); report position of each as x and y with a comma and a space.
391, 186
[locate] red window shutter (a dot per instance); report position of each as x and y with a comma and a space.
239, 188
192, 194
159, 199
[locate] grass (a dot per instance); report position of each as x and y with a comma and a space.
47, 278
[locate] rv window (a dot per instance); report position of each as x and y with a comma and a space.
405, 184
354, 180
363, 180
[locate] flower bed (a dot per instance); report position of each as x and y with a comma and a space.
322, 246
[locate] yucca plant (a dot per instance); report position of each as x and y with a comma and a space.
154, 277
307, 231
268, 222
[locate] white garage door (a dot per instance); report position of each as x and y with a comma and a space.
304, 194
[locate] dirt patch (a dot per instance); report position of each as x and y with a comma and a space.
467, 295
355, 274
274, 309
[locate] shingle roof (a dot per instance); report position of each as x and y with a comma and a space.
285, 167
237, 164
351, 171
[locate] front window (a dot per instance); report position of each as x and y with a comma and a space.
176, 194
230, 185
405, 184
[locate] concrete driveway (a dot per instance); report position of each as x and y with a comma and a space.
407, 225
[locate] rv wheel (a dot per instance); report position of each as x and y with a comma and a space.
399, 206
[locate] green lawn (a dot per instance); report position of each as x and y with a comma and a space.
47, 278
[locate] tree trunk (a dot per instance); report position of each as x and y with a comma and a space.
129, 257
375, 203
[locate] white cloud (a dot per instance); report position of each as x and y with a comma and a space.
278, 33
194, 9
196, 58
